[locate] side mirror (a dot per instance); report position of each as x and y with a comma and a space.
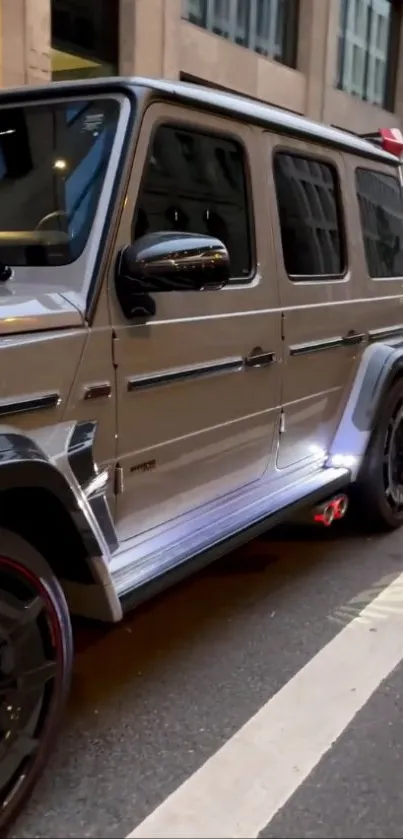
168, 261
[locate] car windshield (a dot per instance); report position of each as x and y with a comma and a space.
53, 161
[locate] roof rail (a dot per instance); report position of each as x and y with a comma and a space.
388, 139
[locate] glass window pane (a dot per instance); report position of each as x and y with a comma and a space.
85, 38
195, 11
363, 54
381, 210
307, 198
53, 164
267, 26
196, 182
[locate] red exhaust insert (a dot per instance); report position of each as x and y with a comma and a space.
330, 511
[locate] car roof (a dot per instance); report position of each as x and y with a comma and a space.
227, 103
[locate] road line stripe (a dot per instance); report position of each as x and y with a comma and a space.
242, 786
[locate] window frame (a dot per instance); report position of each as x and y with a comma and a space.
340, 208
367, 168
187, 124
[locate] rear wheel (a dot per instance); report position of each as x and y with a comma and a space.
35, 668
378, 493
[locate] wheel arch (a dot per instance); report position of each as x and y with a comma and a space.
51, 509
380, 366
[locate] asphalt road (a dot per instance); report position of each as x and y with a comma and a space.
157, 697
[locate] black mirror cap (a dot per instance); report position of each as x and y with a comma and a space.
173, 261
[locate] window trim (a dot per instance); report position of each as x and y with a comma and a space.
395, 175
344, 276
177, 122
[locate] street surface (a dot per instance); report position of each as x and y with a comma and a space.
263, 697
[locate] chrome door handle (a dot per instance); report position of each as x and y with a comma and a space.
353, 337
258, 358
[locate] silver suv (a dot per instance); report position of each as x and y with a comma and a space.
200, 323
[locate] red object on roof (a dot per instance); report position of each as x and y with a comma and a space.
392, 140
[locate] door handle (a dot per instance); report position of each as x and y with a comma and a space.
259, 358
353, 337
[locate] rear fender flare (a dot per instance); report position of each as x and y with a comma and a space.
378, 368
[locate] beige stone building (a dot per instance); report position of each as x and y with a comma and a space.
340, 61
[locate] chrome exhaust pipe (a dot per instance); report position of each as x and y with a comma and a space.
330, 511
324, 514
340, 504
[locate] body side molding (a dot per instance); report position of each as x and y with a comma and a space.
28, 403
193, 371
316, 346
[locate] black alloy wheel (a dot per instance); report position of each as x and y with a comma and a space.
393, 462
35, 669
378, 492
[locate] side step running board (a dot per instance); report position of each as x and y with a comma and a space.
142, 570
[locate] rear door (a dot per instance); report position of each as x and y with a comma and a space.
316, 288
196, 415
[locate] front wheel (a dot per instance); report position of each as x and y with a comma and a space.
378, 492
35, 668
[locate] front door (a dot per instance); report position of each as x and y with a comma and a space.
194, 421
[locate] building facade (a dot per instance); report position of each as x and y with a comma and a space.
340, 61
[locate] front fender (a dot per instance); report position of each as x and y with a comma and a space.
59, 460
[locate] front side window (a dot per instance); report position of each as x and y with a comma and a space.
381, 209
196, 182
310, 220
53, 161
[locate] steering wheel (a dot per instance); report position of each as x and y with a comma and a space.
53, 215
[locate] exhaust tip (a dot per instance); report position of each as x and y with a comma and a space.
330, 511
340, 505
326, 516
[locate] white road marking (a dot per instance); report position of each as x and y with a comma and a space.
352, 609
239, 789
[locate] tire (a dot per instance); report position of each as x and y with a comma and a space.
378, 493
36, 652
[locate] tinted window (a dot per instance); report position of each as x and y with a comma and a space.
381, 210
307, 198
53, 160
196, 183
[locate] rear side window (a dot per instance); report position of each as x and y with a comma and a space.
307, 193
196, 182
381, 211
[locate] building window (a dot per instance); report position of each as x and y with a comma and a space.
310, 219
267, 26
368, 33
381, 209
197, 182
85, 36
